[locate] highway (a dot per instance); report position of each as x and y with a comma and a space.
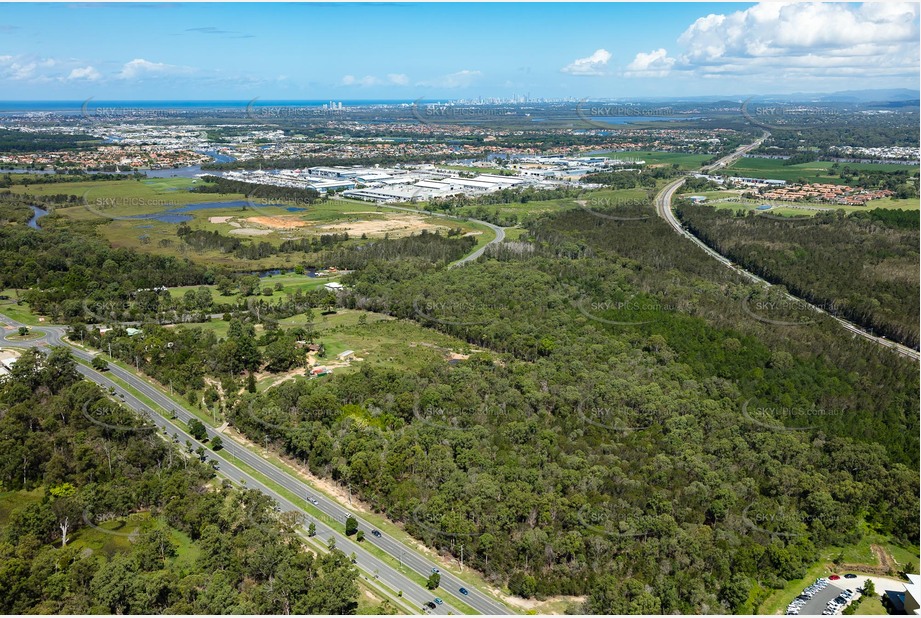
663, 205
232, 453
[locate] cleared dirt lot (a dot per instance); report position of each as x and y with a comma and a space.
403, 224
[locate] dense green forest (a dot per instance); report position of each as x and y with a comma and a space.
66, 263
627, 430
863, 267
202, 547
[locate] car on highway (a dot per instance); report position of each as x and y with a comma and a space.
438, 601
464, 591
376, 533
430, 605
435, 570
312, 500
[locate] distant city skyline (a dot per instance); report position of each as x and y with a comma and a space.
351, 52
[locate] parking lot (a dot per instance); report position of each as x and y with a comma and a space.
816, 605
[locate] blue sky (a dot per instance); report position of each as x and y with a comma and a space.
407, 51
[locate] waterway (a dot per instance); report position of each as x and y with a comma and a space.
37, 213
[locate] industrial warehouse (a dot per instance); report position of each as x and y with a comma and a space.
420, 183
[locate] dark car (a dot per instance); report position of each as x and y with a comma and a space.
464, 591
376, 533
850, 576
430, 605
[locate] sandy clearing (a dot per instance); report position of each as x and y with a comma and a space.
399, 225
219, 219
277, 223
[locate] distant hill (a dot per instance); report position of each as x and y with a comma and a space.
882, 96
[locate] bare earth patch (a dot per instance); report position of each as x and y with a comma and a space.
277, 223
219, 219
402, 225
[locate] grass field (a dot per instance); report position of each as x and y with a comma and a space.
871, 607
810, 209
19, 312
292, 282
684, 160
815, 171
382, 341
135, 213
13, 500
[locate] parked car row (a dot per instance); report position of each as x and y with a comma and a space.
810, 591
837, 605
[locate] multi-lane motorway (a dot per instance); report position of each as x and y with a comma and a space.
663, 205
329, 525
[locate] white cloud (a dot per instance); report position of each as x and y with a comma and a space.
393, 79
654, 64
23, 68
88, 73
140, 68
459, 79
592, 65
805, 39
398, 79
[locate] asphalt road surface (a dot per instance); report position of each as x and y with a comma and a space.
663, 205
331, 522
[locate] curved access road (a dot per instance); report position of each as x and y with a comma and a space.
498, 231
313, 506
663, 204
